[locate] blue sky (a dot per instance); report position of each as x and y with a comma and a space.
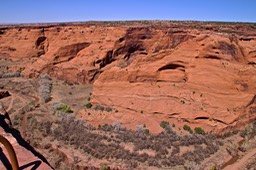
34, 11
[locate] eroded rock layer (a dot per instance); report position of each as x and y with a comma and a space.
198, 73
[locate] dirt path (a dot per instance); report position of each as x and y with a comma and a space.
23, 123
34, 97
11, 103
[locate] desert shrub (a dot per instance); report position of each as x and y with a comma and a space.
45, 87
175, 151
104, 166
146, 131
88, 105
141, 130
99, 107
106, 127
162, 151
153, 162
187, 128
108, 109
65, 109
28, 107
10, 75
199, 130
143, 157
164, 124
189, 165
251, 164
107, 142
192, 140
248, 131
117, 126
61, 107
131, 164
177, 160
103, 108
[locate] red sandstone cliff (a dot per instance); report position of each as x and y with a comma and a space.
201, 73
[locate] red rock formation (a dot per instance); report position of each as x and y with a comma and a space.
201, 73
201, 78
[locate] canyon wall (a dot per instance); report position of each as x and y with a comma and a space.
203, 74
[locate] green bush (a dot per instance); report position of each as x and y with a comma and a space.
187, 128
164, 124
103, 166
88, 105
146, 131
199, 130
108, 109
213, 167
99, 107
64, 108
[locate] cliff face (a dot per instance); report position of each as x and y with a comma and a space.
200, 77
70, 53
197, 73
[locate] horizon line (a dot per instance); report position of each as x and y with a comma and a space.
148, 20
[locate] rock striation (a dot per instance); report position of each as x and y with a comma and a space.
202, 74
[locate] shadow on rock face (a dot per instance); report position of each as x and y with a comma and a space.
16, 134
